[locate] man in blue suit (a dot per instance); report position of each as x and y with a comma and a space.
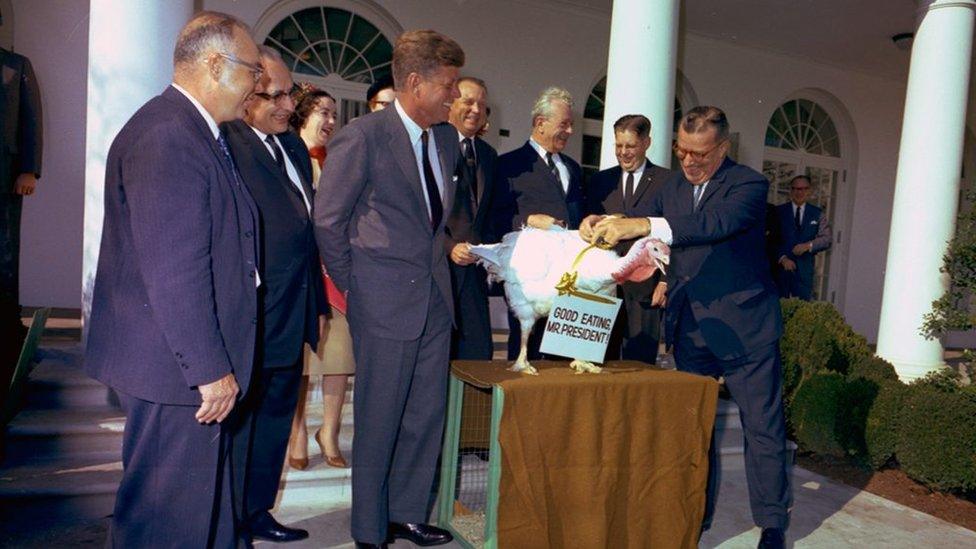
538, 186
174, 310
803, 232
380, 212
723, 315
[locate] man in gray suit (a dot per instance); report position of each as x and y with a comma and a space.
379, 221
20, 167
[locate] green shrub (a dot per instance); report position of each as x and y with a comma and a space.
829, 412
883, 423
816, 339
937, 438
813, 413
873, 368
943, 380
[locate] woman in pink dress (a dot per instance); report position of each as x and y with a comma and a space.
314, 120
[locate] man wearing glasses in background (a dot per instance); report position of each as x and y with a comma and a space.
175, 304
803, 232
275, 166
723, 315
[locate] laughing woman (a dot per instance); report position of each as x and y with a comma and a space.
314, 120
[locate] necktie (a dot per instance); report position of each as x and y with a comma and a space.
276, 151
471, 168
433, 195
230, 158
553, 169
629, 188
698, 193
798, 218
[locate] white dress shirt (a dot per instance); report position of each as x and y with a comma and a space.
638, 174
414, 131
557, 159
289, 167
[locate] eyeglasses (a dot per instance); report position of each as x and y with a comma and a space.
800, 188
695, 155
383, 103
276, 97
255, 70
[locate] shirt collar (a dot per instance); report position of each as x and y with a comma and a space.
203, 112
413, 129
542, 152
261, 135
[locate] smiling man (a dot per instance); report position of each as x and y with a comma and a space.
538, 185
629, 189
468, 222
723, 315
379, 220
276, 169
174, 309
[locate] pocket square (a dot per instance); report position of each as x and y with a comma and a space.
814, 222
454, 178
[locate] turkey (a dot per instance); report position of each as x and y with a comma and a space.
532, 262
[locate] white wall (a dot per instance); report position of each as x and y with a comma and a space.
54, 35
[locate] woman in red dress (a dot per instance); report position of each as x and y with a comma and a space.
314, 120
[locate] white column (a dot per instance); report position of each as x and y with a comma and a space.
641, 71
130, 59
927, 183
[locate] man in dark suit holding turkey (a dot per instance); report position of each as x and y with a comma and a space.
174, 309
723, 315
275, 167
539, 186
468, 222
379, 221
629, 189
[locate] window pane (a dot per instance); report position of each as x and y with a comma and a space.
591, 151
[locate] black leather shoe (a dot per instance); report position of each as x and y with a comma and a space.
772, 538
361, 545
264, 526
423, 535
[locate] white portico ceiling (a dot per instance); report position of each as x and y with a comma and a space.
850, 34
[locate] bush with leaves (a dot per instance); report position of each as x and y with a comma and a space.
954, 311
937, 438
883, 422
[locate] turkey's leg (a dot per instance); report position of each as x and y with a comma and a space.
522, 362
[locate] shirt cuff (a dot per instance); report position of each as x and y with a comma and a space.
661, 230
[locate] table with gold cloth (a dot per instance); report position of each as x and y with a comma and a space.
618, 459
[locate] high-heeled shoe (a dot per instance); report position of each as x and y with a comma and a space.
332, 461
298, 463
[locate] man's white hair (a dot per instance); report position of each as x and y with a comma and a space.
543, 105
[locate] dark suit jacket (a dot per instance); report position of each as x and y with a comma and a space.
718, 260
813, 228
605, 196
526, 186
21, 136
373, 229
292, 295
175, 303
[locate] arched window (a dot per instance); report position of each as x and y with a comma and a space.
322, 41
802, 139
334, 48
593, 127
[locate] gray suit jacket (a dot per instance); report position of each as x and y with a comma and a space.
373, 229
20, 136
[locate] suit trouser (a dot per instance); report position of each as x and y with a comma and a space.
471, 340
261, 438
176, 480
11, 207
755, 383
795, 284
401, 399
